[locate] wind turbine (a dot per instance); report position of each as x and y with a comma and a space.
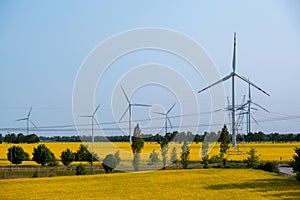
92, 117
167, 118
248, 104
130, 105
232, 75
27, 120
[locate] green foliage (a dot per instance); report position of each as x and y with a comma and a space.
42, 155
215, 159
185, 155
164, 147
80, 170
174, 155
109, 163
205, 146
298, 176
67, 157
53, 162
205, 161
296, 160
153, 157
1, 138
17, 155
253, 159
137, 145
83, 154
35, 174
225, 141
270, 166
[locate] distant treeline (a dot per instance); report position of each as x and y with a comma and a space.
175, 136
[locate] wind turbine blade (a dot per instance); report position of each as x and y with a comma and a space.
233, 59
260, 107
223, 79
219, 110
125, 95
254, 108
86, 116
249, 90
244, 97
171, 108
249, 82
28, 115
170, 122
142, 105
159, 113
22, 119
32, 123
97, 122
96, 110
124, 114
254, 120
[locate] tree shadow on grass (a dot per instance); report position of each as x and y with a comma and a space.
287, 188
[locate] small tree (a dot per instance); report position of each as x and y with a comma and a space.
109, 163
137, 145
17, 155
42, 155
67, 157
80, 170
253, 159
296, 160
153, 157
225, 141
164, 147
174, 155
185, 155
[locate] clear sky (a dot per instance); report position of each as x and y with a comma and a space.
44, 43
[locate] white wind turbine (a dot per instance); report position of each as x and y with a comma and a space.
166, 117
232, 75
27, 120
129, 108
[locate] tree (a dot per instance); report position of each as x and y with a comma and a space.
164, 147
83, 154
118, 158
109, 163
185, 155
253, 159
67, 157
42, 155
137, 145
225, 141
296, 160
153, 157
80, 170
1, 138
174, 155
17, 155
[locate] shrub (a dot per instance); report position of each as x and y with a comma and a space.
296, 161
118, 158
153, 157
67, 157
80, 170
17, 155
215, 159
205, 160
270, 166
42, 155
185, 155
109, 163
298, 176
253, 159
35, 174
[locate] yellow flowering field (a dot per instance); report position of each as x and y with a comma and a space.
268, 151
161, 184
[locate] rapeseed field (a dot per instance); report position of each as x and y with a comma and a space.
159, 184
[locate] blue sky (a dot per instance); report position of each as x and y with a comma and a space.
43, 44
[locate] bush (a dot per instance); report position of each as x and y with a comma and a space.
215, 159
185, 155
80, 170
67, 157
153, 157
35, 174
17, 155
253, 159
42, 155
205, 160
109, 163
270, 166
296, 161
298, 176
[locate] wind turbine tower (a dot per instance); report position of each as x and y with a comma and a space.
232, 75
166, 117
